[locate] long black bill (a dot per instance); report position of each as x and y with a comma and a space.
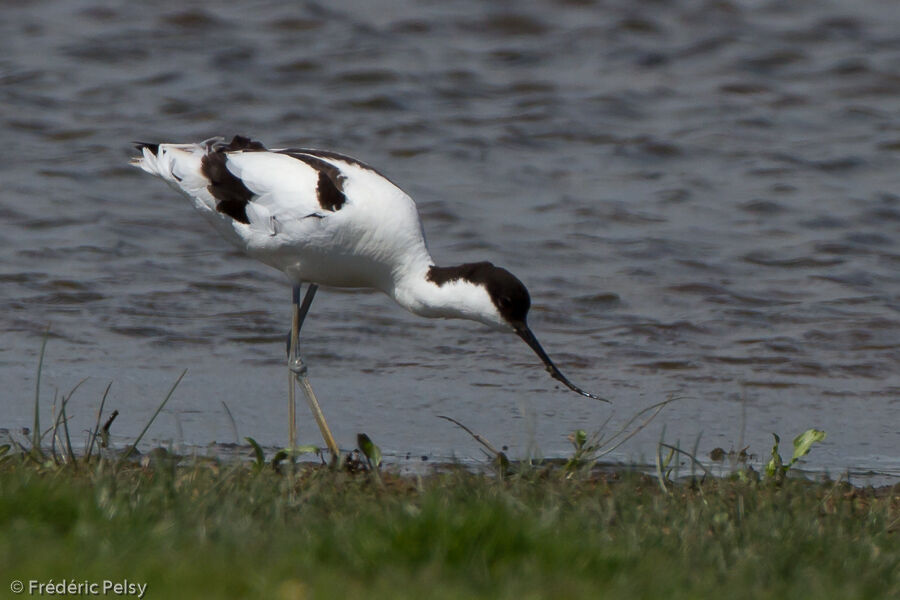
525, 333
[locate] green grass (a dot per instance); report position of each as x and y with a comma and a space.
220, 530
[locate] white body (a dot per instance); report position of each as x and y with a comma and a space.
375, 239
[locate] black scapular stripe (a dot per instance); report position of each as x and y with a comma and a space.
330, 185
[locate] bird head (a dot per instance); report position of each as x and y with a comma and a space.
507, 310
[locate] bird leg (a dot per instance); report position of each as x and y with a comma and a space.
297, 371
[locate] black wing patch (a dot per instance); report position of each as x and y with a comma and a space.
330, 196
227, 188
230, 192
330, 186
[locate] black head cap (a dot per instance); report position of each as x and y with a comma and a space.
507, 293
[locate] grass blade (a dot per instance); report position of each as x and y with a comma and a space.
258, 454
654, 409
804, 441
234, 429
694, 460
54, 429
97, 424
36, 431
481, 440
369, 450
65, 420
69, 451
775, 466
130, 450
104, 431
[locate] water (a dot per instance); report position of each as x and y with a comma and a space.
701, 196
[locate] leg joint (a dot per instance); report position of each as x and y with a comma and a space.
298, 367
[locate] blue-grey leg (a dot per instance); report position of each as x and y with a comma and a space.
298, 372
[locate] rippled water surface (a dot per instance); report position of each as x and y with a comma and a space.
702, 198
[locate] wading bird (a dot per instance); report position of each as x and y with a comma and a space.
327, 219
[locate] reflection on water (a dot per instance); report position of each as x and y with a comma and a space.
701, 197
